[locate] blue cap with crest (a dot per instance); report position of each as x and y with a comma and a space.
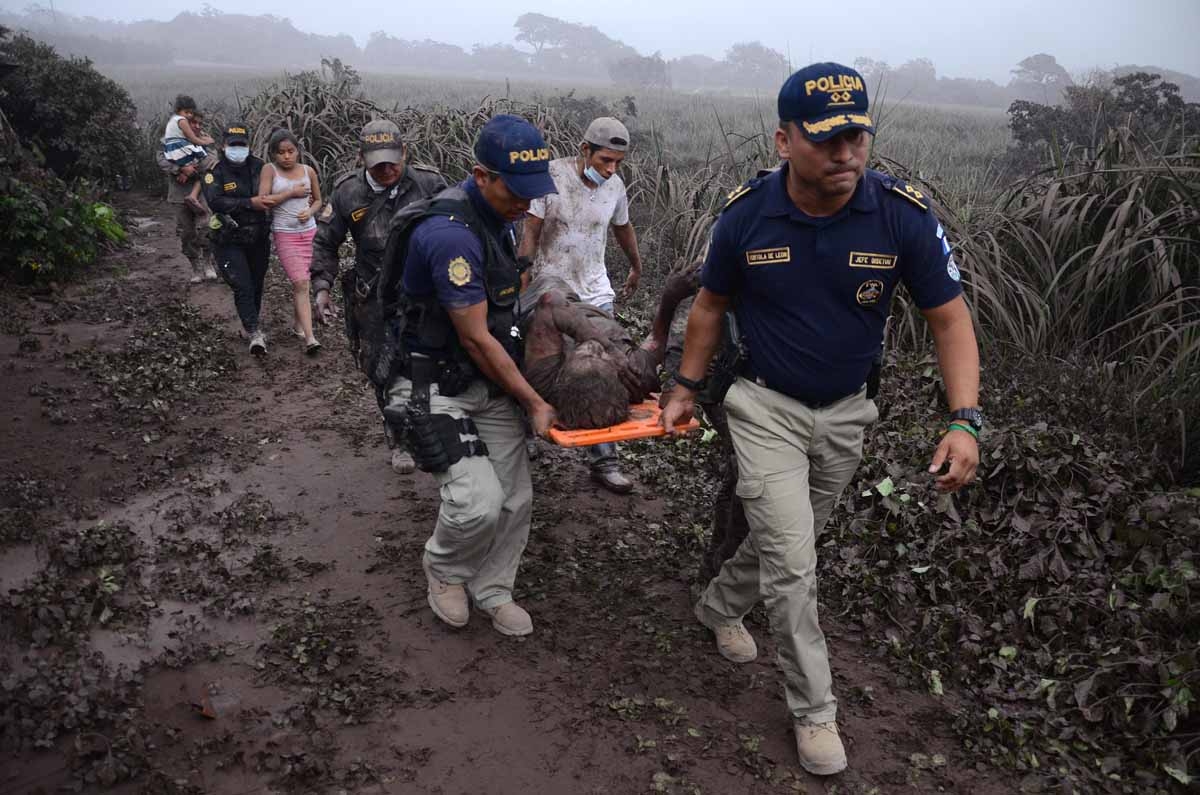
825, 99
513, 148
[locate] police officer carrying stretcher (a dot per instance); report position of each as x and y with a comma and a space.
449, 292
808, 258
363, 203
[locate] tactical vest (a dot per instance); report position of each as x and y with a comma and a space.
424, 320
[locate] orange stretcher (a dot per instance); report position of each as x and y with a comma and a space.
643, 423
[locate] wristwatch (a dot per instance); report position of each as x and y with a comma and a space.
971, 416
687, 383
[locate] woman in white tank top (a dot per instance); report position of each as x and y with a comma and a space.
293, 222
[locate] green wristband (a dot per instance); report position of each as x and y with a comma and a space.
958, 426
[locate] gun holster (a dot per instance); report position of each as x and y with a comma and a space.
435, 440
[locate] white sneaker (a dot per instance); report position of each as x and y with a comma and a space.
258, 343
210, 274
195, 278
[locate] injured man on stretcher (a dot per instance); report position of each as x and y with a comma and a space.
582, 361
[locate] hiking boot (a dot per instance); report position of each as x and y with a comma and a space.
820, 748
511, 619
612, 479
733, 640
258, 343
448, 602
195, 278
402, 462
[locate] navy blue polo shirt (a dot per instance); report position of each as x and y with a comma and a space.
445, 257
812, 294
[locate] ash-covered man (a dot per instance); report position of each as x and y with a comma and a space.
565, 236
449, 294
584, 362
362, 204
808, 258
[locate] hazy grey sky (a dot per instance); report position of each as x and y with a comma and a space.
963, 38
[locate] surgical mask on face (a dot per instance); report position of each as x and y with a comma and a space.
375, 186
594, 176
237, 154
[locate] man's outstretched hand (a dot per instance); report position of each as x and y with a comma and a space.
680, 406
962, 451
541, 417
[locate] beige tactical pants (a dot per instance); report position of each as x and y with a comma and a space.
483, 523
793, 462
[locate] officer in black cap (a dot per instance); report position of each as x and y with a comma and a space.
808, 258
449, 293
362, 204
241, 241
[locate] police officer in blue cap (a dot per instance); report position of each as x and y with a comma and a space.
449, 289
807, 258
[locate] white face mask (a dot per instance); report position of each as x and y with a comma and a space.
237, 154
375, 186
594, 176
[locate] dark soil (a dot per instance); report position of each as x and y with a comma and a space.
210, 582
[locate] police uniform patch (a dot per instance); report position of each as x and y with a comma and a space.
869, 292
912, 194
769, 256
865, 259
208, 178
357, 215
228, 186
952, 269
459, 271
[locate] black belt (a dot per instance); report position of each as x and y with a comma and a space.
749, 374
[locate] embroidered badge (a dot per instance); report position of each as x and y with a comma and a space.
358, 214
865, 259
869, 292
459, 271
228, 186
208, 178
952, 269
769, 256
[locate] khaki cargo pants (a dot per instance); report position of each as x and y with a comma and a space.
793, 462
483, 523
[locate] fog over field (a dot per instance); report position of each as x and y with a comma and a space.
970, 40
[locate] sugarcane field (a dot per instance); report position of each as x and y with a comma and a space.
651, 399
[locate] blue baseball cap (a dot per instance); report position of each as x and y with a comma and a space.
514, 149
824, 99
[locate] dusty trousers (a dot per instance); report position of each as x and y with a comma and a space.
193, 240
793, 462
483, 522
244, 267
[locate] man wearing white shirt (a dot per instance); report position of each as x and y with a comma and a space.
566, 233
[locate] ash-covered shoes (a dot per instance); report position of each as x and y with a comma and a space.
734, 641
820, 748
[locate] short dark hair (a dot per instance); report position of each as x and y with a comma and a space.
591, 396
278, 137
184, 102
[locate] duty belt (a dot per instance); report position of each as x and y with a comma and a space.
750, 374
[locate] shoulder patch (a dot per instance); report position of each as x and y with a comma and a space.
912, 194
357, 215
459, 271
343, 178
208, 178
738, 193
326, 212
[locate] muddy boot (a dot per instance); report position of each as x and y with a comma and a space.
258, 343
511, 619
197, 272
609, 476
448, 602
820, 748
734, 642
402, 462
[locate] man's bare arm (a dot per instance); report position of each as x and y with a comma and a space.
699, 345
958, 360
627, 240
470, 323
680, 286
531, 235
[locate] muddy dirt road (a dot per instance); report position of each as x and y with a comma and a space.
210, 582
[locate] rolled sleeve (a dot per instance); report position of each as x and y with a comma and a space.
454, 257
620, 215
722, 272
927, 267
537, 208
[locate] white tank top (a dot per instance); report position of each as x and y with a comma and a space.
284, 217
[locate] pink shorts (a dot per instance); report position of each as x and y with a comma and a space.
294, 250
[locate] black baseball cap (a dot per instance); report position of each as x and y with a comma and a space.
380, 143
513, 148
824, 99
236, 133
